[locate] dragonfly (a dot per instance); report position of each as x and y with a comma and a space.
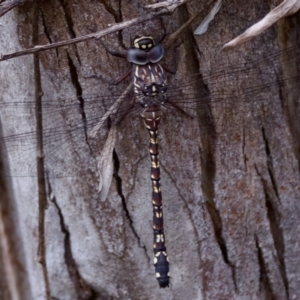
73, 127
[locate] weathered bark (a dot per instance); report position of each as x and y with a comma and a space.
231, 204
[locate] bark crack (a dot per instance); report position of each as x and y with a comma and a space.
114, 8
270, 163
65, 6
185, 205
46, 32
83, 290
218, 231
67, 9
40, 167
45, 29
274, 218
264, 282
78, 88
244, 147
118, 180
208, 140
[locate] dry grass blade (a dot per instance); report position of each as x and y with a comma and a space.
285, 9
168, 4
105, 164
202, 28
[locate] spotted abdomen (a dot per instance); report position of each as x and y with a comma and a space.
151, 118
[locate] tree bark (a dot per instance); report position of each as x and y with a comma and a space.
230, 186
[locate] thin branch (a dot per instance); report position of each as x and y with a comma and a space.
8, 5
111, 29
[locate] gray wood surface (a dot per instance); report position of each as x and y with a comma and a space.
231, 201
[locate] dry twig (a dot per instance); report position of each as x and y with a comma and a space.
119, 26
8, 5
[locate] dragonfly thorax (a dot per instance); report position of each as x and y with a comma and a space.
153, 95
150, 85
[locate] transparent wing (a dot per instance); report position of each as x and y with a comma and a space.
65, 132
239, 100
230, 104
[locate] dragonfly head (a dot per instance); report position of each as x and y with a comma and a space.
145, 43
145, 51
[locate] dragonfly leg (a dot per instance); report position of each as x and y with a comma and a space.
121, 54
112, 82
117, 53
168, 70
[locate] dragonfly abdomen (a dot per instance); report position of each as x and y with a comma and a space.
151, 116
